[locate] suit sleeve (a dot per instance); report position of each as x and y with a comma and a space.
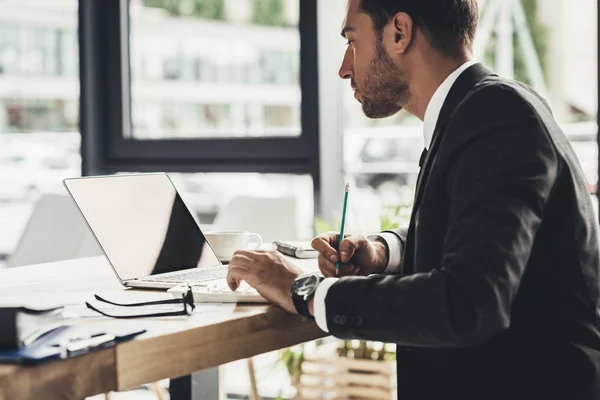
394, 242
400, 233
395, 263
395, 260
498, 181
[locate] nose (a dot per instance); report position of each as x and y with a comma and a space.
347, 69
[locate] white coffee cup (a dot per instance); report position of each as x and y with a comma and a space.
225, 243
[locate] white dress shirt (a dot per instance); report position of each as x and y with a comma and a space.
432, 113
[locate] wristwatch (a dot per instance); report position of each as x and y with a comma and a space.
303, 288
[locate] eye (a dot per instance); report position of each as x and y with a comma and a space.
350, 42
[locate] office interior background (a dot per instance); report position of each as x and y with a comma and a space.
240, 99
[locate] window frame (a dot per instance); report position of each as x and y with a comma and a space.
598, 103
106, 121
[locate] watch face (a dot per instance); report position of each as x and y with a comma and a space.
305, 286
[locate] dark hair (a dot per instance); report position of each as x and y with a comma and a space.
448, 24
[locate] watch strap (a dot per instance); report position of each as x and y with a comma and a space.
301, 302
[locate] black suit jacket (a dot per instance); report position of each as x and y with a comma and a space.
500, 289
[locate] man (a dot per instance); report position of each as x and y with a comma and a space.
492, 291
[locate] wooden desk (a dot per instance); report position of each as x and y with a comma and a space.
170, 348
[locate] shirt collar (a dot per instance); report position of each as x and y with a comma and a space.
434, 107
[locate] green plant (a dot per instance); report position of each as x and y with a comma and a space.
212, 9
390, 218
322, 226
292, 358
395, 217
268, 12
539, 33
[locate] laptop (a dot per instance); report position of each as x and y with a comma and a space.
146, 231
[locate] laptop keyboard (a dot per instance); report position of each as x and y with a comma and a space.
221, 286
219, 292
191, 275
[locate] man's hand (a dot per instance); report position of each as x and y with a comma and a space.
359, 256
266, 271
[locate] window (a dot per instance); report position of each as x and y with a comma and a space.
281, 204
204, 86
220, 94
39, 108
215, 69
554, 51
215, 197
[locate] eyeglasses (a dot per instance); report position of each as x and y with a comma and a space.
187, 299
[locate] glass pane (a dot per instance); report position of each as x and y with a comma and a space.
381, 156
215, 68
39, 108
283, 205
561, 65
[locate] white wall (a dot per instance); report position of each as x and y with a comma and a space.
571, 60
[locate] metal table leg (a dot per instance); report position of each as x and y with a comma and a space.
203, 385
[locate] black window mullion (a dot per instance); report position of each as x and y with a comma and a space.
598, 111
101, 84
106, 109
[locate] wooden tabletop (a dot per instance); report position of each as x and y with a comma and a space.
171, 347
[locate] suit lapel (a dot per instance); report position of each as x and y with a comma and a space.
465, 82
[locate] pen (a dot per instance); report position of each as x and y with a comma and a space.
337, 264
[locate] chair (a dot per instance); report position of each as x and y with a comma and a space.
55, 232
274, 218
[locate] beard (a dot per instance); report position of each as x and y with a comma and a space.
382, 92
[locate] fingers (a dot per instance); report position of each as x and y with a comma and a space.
241, 259
233, 279
237, 270
257, 255
351, 245
327, 268
326, 244
250, 266
346, 269
250, 254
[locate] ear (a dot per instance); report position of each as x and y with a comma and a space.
402, 25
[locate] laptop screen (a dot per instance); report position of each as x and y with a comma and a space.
142, 224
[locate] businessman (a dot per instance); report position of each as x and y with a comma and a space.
492, 291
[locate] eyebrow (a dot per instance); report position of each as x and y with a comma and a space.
347, 29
